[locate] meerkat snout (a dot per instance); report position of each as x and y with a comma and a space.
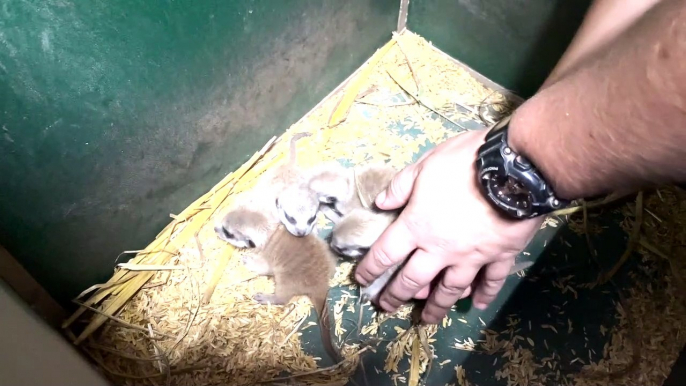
297, 208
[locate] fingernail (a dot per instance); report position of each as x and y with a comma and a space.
361, 280
381, 198
480, 305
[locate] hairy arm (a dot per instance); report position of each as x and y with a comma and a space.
613, 118
604, 21
619, 121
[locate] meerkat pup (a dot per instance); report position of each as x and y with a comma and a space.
333, 189
253, 218
358, 230
298, 206
300, 266
354, 235
343, 191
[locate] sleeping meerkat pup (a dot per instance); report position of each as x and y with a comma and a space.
355, 234
253, 218
333, 189
344, 189
300, 266
358, 230
298, 206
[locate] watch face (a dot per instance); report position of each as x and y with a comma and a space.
511, 193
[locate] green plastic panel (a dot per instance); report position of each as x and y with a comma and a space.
515, 43
114, 114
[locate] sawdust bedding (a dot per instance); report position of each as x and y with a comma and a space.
181, 312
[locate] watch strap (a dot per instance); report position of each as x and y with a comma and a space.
510, 181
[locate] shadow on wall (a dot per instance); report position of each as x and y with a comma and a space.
515, 43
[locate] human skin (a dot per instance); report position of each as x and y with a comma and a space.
612, 118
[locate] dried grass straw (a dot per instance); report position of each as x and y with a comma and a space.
192, 291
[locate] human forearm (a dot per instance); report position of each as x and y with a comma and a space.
604, 21
619, 121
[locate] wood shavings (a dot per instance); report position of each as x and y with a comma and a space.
461, 376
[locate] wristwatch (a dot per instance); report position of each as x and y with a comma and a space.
510, 181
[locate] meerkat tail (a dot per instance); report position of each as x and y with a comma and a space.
292, 156
319, 302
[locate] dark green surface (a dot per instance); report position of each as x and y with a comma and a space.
534, 299
115, 113
513, 43
561, 256
445, 336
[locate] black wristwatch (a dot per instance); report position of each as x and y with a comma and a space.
510, 181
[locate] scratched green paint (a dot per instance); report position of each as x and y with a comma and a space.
514, 43
114, 114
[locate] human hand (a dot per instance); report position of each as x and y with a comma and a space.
452, 230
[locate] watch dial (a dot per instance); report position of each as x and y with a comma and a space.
510, 192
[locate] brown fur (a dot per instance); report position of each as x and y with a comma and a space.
359, 229
348, 187
300, 266
371, 180
253, 218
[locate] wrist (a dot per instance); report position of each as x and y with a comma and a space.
533, 136
510, 181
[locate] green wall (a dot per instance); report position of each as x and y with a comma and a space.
114, 114
515, 43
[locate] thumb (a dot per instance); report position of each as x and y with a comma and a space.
399, 189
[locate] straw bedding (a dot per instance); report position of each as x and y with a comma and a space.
181, 311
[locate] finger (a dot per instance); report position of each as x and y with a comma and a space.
493, 280
467, 292
455, 282
423, 293
391, 248
417, 273
426, 154
399, 189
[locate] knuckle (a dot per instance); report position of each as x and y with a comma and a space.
485, 298
491, 285
381, 257
396, 188
452, 287
414, 222
408, 282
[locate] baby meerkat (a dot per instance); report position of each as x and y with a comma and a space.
298, 206
253, 218
355, 234
300, 266
344, 189
333, 189
358, 230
